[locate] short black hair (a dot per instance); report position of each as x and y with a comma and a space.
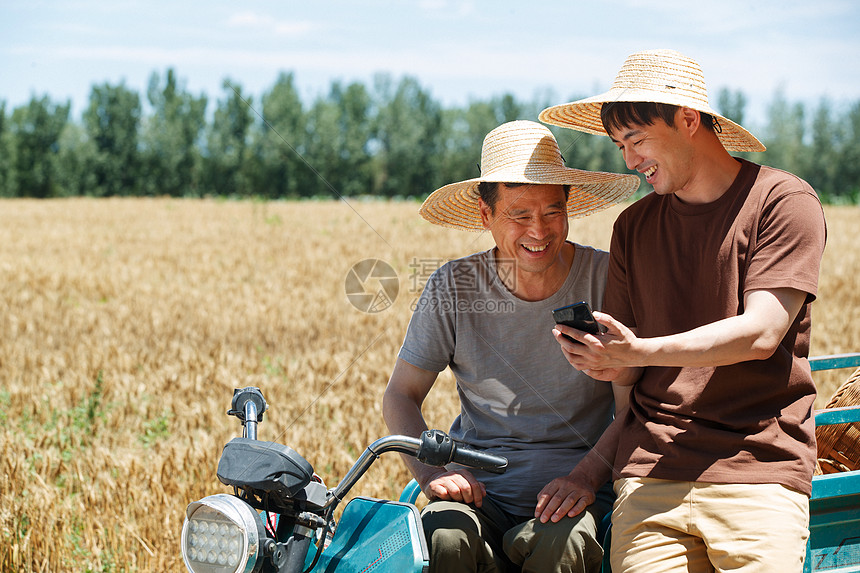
488, 191
621, 114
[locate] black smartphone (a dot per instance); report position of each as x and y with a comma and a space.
577, 315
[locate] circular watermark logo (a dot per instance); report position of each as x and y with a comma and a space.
371, 285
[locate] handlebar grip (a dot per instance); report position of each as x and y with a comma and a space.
438, 449
466, 456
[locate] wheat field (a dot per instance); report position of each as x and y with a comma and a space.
125, 325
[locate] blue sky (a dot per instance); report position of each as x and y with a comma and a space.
456, 50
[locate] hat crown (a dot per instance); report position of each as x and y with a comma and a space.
524, 152
519, 147
653, 76
663, 71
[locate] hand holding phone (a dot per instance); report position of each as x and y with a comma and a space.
577, 315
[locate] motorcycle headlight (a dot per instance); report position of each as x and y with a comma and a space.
222, 534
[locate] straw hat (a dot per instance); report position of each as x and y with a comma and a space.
525, 152
659, 76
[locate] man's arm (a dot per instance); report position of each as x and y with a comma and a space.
753, 335
571, 494
401, 407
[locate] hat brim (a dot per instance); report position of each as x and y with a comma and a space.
456, 205
584, 115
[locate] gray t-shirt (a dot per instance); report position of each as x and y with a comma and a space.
519, 397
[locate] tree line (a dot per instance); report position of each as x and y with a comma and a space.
388, 139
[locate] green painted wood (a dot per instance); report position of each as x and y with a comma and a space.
832, 361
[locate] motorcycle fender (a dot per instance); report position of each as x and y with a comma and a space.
376, 535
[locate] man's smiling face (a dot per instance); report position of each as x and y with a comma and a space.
529, 225
658, 151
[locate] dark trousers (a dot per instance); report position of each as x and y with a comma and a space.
463, 538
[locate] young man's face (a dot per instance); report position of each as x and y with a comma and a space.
529, 225
660, 152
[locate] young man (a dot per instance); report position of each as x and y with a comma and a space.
489, 318
707, 313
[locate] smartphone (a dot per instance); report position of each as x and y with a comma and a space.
577, 315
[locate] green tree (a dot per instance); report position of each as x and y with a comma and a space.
320, 151
76, 156
35, 130
732, 105
354, 132
390, 140
409, 139
463, 132
783, 136
276, 166
340, 129
826, 139
5, 153
227, 143
112, 121
846, 180
171, 138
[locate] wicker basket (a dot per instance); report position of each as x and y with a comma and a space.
839, 444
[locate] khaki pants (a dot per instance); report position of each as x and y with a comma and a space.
667, 526
462, 538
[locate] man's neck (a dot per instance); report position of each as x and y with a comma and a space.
715, 171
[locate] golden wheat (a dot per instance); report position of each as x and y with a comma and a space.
126, 324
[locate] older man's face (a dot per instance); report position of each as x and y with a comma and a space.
529, 225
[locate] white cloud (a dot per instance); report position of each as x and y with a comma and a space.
433, 5
447, 8
294, 29
266, 24
248, 19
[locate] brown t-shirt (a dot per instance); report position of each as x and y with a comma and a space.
676, 266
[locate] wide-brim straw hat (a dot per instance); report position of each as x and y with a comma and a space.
525, 152
659, 76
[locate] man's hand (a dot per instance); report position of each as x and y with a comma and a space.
602, 356
459, 485
571, 494
754, 334
563, 496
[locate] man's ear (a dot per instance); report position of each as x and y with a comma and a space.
486, 213
690, 120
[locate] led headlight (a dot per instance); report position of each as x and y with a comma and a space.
222, 534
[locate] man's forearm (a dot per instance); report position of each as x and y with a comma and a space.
596, 468
753, 335
403, 416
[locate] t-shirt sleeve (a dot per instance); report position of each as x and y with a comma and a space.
429, 341
790, 241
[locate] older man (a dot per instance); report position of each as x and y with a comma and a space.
488, 317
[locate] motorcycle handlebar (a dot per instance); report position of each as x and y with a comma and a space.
438, 449
434, 448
